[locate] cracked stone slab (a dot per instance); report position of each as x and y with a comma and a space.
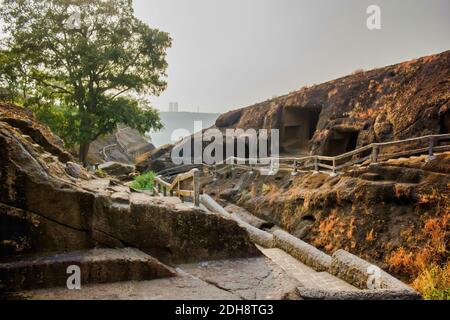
183, 287
96, 266
250, 279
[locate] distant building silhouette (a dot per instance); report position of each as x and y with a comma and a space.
173, 107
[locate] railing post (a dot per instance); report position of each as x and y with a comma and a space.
233, 171
334, 173
272, 167
431, 156
375, 153
196, 186
295, 172
154, 188
316, 164
158, 188
178, 191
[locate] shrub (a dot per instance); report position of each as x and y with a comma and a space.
434, 283
427, 264
100, 173
144, 181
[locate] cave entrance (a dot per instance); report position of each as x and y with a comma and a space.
445, 123
298, 128
341, 142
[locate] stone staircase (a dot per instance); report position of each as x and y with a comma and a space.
320, 276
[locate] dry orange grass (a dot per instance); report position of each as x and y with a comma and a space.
434, 282
427, 265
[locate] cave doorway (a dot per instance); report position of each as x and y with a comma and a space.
445, 123
341, 142
298, 127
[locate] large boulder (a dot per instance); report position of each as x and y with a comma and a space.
117, 169
156, 160
123, 145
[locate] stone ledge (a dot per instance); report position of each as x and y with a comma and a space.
96, 266
318, 294
260, 237
304, 252
354, 270
342, 264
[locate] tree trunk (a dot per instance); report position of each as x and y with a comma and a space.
84, 149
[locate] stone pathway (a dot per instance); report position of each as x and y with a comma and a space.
179, 288
249, 279
304, 274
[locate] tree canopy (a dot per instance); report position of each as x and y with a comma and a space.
83, 65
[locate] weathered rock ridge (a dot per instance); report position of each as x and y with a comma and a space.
49, 204
405, 100
123, 145
395, 214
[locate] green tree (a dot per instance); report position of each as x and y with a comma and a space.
85, 63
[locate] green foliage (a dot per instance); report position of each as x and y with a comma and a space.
144, 181
434, 282
437, 294
82, 79
265, 188
100, 173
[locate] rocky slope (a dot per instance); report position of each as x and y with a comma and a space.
123, 146
397, 102
50, 204
395, 214
391, 103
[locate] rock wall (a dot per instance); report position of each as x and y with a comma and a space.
124, 145
395, 215
48, 204
396, 102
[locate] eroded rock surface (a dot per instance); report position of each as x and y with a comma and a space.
46, 208
405, 100
390, 214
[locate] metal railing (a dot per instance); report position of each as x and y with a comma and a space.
372, 154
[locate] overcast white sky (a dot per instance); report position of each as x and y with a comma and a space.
232, 53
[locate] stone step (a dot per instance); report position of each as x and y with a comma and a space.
96, 266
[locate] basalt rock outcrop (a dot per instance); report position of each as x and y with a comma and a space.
124, 145
50, 204
156, 160
395, 214
401, 101
405, 100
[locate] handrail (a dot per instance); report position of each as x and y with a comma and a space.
342, 156
103, 151
307, 162
174, 188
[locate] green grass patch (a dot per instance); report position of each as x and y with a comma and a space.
144, 181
